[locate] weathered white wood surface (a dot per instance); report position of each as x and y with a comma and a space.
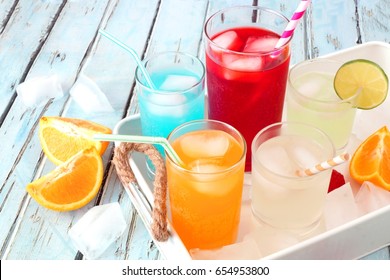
60, 37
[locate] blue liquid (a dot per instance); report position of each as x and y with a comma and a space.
163, 111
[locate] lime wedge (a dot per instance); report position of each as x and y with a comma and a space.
364, 76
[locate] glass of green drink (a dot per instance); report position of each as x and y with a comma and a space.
312, 99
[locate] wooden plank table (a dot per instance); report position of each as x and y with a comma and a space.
39, 38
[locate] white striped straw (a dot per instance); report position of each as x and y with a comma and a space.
324, 165
289, 31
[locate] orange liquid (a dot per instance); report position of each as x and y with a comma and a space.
205, 206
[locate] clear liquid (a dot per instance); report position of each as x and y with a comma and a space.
281, 198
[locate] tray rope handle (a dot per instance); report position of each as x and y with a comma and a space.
121, 161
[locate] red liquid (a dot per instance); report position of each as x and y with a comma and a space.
246, 88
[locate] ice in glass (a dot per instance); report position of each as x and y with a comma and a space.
312, 99
246, 75
205, 194
281, 197
179, 97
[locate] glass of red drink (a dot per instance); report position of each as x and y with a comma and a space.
246, 75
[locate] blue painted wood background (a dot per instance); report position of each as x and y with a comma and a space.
46, 37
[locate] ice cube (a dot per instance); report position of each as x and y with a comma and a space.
167, 104
371, 197
178, 82
340, 207
245, 250
229, 40
270, 240
310, 88
87, 94
260, 44
243, 63
277, 159
206, 165
241, 68
205, 146
302, 157
98, 229
207, 174
216, 146
167, 99
39, 90
315, 85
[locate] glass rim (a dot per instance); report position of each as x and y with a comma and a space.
205, 121
281, 124
314, 100
208, 37
163, 92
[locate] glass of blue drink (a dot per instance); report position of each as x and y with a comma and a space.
179, 95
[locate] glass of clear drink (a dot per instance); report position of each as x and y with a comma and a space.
281, 197
312, 99
205, 194
179, 97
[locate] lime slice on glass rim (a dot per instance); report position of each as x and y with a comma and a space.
365, 76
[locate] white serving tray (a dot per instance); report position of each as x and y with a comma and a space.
351, 240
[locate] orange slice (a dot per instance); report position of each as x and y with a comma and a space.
371, 160
61, 138
72, 184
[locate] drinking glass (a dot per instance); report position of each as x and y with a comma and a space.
205, 193
178, 97
281, 196
246, 75
312, 99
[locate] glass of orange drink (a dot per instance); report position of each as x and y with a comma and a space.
205, 191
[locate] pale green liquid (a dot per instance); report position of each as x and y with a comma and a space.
323, 108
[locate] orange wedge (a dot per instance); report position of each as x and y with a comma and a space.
371, 160
72, 184
61, 138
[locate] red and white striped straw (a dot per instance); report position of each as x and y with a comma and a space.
289, 31
324, 165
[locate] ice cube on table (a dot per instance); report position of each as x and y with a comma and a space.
245, 250
340, 207
87, 94
38, 91
371, 197
260, 44
203, 145
98, 229
178, 82
270, 240
228, 40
